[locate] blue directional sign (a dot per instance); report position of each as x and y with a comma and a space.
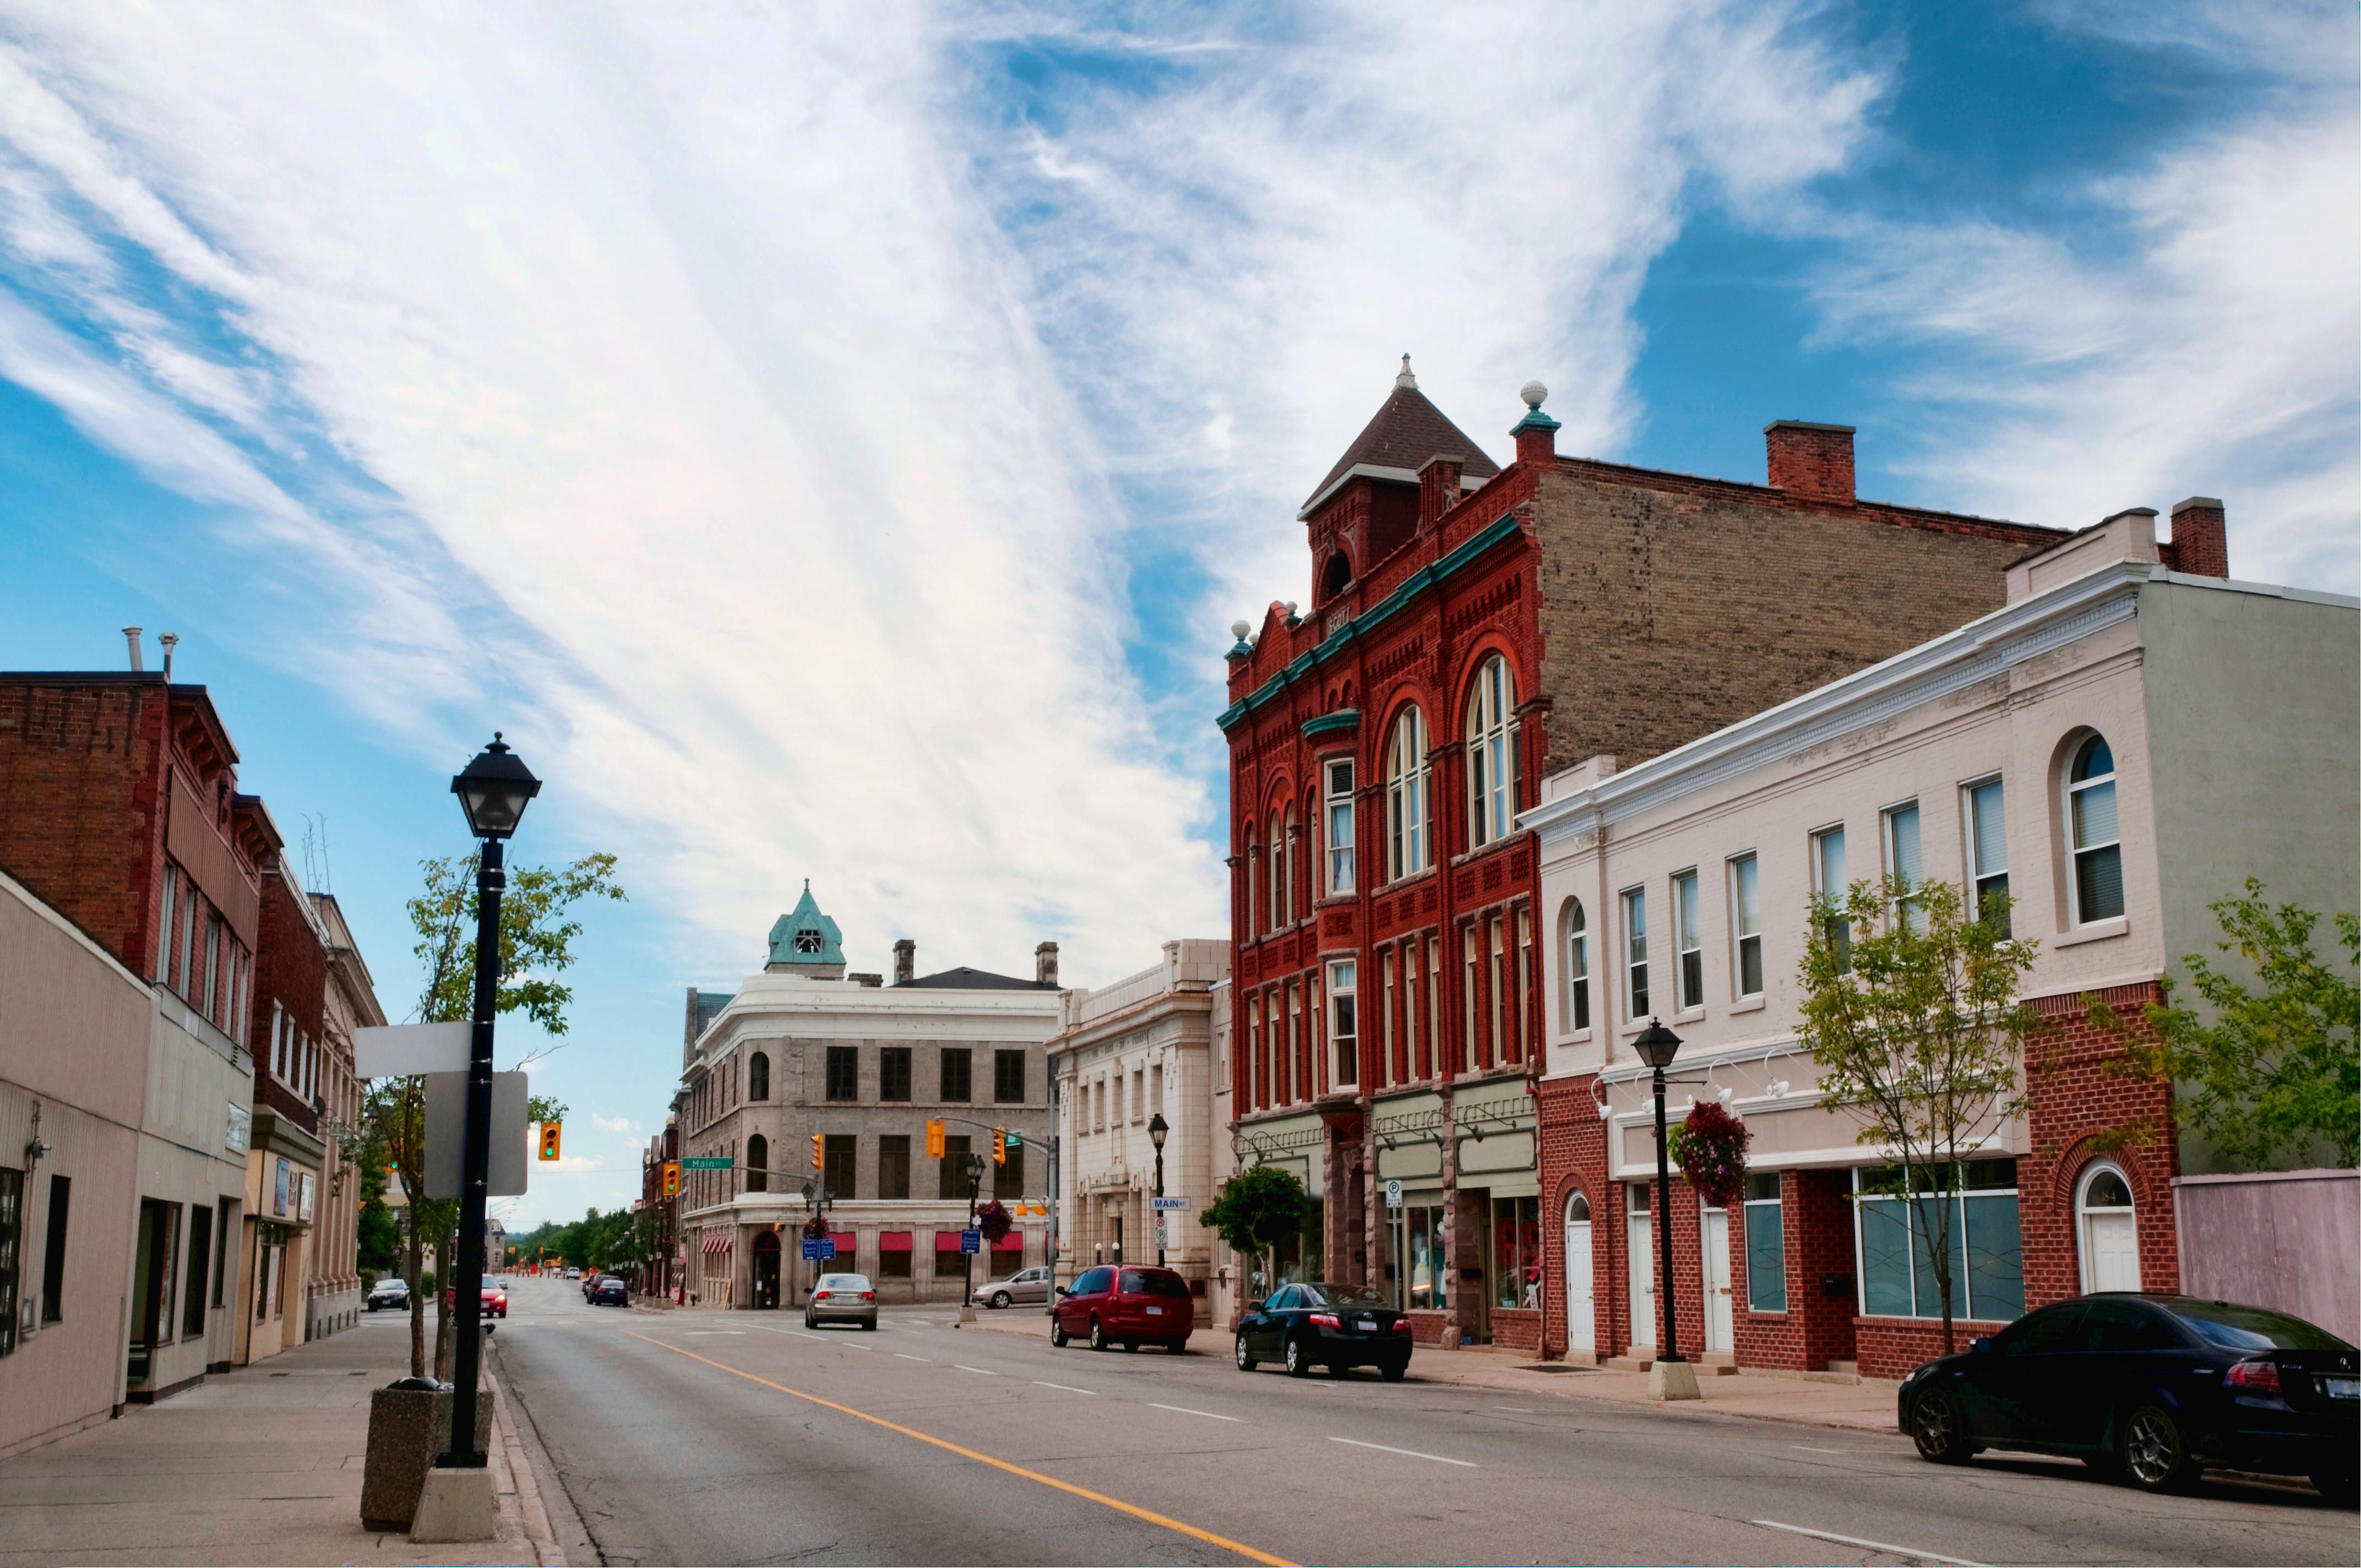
971, 1241
820, 1249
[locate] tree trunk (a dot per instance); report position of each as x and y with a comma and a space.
442, 1312
409, 1212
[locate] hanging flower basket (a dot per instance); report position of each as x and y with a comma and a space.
816, 1228
992, 1220
1709, 1146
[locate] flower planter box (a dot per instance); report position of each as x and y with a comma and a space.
408, 1426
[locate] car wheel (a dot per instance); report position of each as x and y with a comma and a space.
1177, 1346
2338, 1486
1298, 1364
1131, 1347
1057, 1333
871, 1326
1098, 1335
1000, 1299
1936, 1427
1395, 1371
1246, 1359
810, 1321
2155, 1453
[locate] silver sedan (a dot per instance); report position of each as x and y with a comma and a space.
1026, 1285
842, 1299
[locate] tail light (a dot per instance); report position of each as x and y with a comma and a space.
819, 1295
868, 1294
2254, 1378
1401, 1325
1324, 1320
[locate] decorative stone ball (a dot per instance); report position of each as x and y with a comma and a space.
1238, 628
1532, 393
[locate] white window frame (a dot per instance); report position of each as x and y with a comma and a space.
1745, 922
1471, 954
1638, 999
1819, 857
1388, 961
1344, 1026
2083, 1262
2075, 850
1278, 872
1574, 1001
1978, 876
1491, 754
1339, 837
1687, 943
1910, 909
1406, 840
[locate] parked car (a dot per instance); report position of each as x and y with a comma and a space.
842, 1299
1129, 1305
2153, 1389
1026, 1285
495, 1301
572, 1274
1335, 1326
390, 1291
612, 1292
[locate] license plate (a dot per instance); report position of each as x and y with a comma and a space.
1366, 1325
1155, 1311
2342, 1388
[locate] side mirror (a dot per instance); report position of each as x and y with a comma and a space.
1063, 1291
1983, 1344
1254, 1305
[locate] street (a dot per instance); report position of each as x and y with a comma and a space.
737, 1437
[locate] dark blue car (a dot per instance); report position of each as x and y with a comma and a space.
2153, 1389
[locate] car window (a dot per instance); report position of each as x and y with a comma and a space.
2048, 1330
1146, 1282
2253, 1328
1332, 1295
2114, 1326
1281, 1301
1093, 1281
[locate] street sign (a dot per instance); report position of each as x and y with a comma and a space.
446, 1135
1163, 1236
1016, 1139
1162, 1204
397, 1050
820, 1249
707, 1162
971, 1241
1393, 1194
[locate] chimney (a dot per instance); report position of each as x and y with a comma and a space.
1438, 486
1045, 963
1813, 460
1537, 434
906, 961
2200, 538
170, 639
131, 635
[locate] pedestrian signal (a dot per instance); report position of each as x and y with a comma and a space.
672, 1178
934, 1140
1000, 1145
819, 1152
549, 1140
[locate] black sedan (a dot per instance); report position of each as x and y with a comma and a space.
1335, 1326
611, 1292
2153, 1389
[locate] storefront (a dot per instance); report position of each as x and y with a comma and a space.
282, 1190
1296, 1145
1462, 1245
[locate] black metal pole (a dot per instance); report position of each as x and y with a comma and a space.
974, 1184
467, 1276
1159, 1214
1670, 1349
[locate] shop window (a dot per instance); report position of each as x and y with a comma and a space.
1515, 1252
1767, 1245
1420, 1264
1988, 851
12, 1251
1895, 1239
894, 1265
53, 1252
201, 1253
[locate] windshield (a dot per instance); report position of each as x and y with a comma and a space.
1141, 1282
1325, 1295
2253, 1328
845, 1282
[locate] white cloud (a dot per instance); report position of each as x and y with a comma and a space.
623, 1124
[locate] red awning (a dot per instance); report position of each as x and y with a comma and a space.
845, 1242
722, 1242
1012, 1242
947, 1241
893, 1241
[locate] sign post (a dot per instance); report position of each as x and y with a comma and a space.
1393, 1193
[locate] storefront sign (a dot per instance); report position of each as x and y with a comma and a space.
279, 1193
237, 1135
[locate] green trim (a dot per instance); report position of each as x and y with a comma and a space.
1343, 718
1393, 604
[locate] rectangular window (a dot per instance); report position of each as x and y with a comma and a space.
164, 926
1258, 1065
1138, 1095
1008, 1177
1988, 851
2097, 832
844, 1073
894, 1165
1904, 862
894, 1073
227, 1224
1829, 881
1387, 1029
1434, 1005
1410, 964
53, 1255
200, 1254
1156, 1089
951, 1173
839, 1152
208, 983
1767, 1245
956, 1063
1523, 1030
1470, 979
1498, 936
1344, 1031
1895, 1236
1008, 1077
1516, 1257
1287, 1060
1635, 954
1340, 828
12, 1251
894, 1264
1688, 944
1746, 923
185, 938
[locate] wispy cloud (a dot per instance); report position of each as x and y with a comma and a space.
621, 1124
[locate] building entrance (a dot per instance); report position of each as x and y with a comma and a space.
766, 1272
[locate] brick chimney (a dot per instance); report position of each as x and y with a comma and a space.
906, 961
1045, 963
1813, 460
2200, 538
1438, 486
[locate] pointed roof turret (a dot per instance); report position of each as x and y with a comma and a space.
1406, 431
806, 941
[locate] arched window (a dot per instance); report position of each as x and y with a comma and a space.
2098, 885
1577, 967
2108, 1229
1491, 754
758, 1077
1577, 1209
1277, 873
758, 1164
1406, 834
1253, 885
1336, 578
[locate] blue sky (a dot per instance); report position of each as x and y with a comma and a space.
836, 450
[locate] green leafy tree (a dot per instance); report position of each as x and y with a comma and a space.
2266, 1074
1910, 1008
1256, 1209
380, 1240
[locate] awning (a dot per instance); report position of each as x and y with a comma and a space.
1012, 1242
893, 1241
721, 1241
947, 1241
846, 1241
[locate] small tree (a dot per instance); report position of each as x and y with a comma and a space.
1256, 1209
1910, 1009
2275, 1071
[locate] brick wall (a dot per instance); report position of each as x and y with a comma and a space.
1890, 1347
81, 770
1573, 1158
1516, 1328
1815, 1223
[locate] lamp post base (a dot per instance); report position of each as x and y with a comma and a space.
1673, 1380
457, 1505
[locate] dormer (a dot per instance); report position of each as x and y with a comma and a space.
1371, 503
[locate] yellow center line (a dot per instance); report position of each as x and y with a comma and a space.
1118, 1504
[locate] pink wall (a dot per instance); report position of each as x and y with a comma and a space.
2285, 1239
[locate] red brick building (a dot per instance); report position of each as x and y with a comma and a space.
1468, 629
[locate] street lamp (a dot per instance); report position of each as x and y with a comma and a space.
1157, 1128
493, 791
1656, 1046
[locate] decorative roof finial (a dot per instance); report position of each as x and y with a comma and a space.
1406, 378
1534, 393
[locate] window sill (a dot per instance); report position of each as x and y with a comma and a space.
1754, 1003
2097, 931
1625, 1031
1580, 1037
1690, 1014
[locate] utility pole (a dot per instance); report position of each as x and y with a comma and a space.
974, 1184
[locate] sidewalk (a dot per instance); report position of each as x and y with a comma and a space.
261, 1465
1866, 1406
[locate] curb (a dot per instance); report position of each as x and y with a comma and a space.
532, 1504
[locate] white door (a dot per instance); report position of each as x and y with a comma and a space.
1644, 1283
2111, 1241
1581, 1312
1717, 1279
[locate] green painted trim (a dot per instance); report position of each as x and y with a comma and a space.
1343, 718
1393, 604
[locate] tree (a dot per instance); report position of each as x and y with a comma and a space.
1257, 1208
379, 1234
2266, 1075
1910, 1009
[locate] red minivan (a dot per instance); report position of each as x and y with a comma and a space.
1129, 1305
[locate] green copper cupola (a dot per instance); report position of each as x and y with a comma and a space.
806, 941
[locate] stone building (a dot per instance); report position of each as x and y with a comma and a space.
351, 1003
811, 1075
1471, 628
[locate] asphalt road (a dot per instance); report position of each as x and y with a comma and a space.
726, 1438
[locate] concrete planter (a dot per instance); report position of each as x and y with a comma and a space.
408, 1426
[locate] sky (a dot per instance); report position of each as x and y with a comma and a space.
830, 443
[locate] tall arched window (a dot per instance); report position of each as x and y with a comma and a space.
1406, 835
1278, 872
1491, 754
2098, 889
1577, 967
758, 1164
758, 1077
1253, 886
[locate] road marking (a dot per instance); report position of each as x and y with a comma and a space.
708, 1333
1118, 1504
906, 1355
978, 1370
1067, 1387
1871, 1452
1407, 1452
1872, 1545
1185, 1410
797, 1333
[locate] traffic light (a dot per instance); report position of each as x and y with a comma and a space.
934, 1140
1000, 1145
819, 1152
672, 1178
549, 1140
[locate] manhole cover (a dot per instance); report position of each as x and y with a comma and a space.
1554, 1366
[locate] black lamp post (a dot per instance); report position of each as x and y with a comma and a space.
492, 792
975, 1167
1656, 1046
1157, 1128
